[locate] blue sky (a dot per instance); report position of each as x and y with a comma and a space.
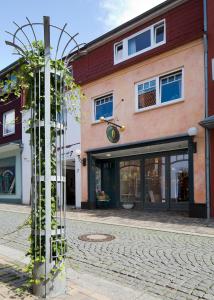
91, 18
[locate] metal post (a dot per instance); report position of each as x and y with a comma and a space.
47, 149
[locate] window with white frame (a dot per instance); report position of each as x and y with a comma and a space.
147, 94
160, 90
171, 87
145, 40
103, 107
9, 122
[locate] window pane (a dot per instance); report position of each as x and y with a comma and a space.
139, 42
7, 175
9, 122
179, 178
155, 181
146, 94
159, 33
171, 87
119, 51
130, 181
104, 107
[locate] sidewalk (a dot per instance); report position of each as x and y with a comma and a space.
171, 222
80, 286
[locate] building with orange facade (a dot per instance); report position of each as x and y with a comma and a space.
148, 75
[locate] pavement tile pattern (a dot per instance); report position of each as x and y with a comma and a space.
164, 264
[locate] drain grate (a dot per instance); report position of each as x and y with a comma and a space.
96, 237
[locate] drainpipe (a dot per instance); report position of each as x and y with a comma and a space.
207, 135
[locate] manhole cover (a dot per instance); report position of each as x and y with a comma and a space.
96, 237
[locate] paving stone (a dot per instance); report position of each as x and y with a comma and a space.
162, 262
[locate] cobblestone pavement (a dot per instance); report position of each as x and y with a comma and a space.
166, 221
11, 279
164, 264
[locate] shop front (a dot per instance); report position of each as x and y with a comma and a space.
10, 173
152, 175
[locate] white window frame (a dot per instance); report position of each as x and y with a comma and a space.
4, 114
153, 44
158, 91
94, 121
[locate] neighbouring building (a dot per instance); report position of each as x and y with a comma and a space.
10, 147
148, 75
208, 122
15, 152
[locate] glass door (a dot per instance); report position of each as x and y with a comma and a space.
155, 194
130, 181
179, 181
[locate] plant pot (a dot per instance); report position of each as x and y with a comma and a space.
128, 205
102, 203
54, 287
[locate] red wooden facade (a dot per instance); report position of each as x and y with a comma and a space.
16, 104
183, 24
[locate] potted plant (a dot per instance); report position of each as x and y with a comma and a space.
102, 199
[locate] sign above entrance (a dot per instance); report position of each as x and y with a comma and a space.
112, 134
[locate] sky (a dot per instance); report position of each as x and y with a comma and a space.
89, 18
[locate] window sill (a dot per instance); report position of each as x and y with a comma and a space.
99, 122
7, 134
159, 106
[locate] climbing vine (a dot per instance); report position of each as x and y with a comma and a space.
25, 81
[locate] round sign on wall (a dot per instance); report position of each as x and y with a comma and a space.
113, 134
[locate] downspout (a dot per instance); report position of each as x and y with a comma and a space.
207, 137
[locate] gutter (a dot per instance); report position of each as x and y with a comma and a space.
132, 24
207, 133
9, 68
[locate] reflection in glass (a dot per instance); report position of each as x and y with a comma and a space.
130, 181
155, 181
7, 176
179, 178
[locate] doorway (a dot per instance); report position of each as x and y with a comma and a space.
70, 187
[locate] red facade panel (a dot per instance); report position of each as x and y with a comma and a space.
183, 24
15, 104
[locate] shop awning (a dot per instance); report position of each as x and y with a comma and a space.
10, 147
208, 122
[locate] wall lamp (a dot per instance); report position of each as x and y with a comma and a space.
192, 131
82, 161
121, 127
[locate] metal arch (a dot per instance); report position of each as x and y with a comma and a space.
24, 34
19, 49
32, 29
63, 30
17, 39
69, 57
71, 39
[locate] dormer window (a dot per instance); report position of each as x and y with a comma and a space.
159, 33
140, 42
118, 51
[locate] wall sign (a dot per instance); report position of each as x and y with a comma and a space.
112, 134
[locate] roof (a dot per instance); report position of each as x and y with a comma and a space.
9, 68
133, 23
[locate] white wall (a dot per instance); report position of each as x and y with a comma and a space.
26, 159
73, 139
